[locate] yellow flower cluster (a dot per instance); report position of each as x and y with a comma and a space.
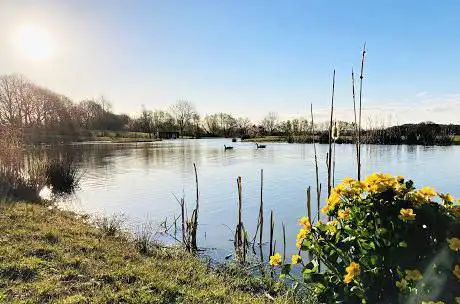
447, 198
379, 182
304, 231
407, 214
352, 189
401, 284
331, 227
413, 275
454, 243
344, 214
353, 271
422, 195
456, 271
295, 259
349, 189
276, 260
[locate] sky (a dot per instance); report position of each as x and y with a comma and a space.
243, 57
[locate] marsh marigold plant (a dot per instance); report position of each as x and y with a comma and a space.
385, 242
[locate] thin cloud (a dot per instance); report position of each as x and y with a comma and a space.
421, 94
445, 109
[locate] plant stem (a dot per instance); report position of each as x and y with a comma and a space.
360, 110
329, 158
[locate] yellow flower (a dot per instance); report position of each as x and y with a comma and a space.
407, 214
333, 199
457, 271
348, 180
379, 182
413, 275
347, 279
401, 284
298, 243
305, 222
344, 214
296, 259
331, 227
353, 269
427, 192
400, 178
352, 272
325, 209
454, 244
302, 234
276, 260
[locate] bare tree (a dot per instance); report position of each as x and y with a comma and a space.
269, 122
243, 124
183, 111
196, 123
9, 99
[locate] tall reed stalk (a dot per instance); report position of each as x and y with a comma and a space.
190, 225
272, 229
356, 124
309, 203
329, 157
260, 220
318, 188
240, 241
360, 110
284, 242
195, 212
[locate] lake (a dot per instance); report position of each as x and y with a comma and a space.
141, 181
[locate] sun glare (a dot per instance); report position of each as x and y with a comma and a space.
33, 43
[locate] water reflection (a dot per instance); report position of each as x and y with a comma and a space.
139, 180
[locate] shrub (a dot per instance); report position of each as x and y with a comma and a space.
62, 176
110, 226
385, 242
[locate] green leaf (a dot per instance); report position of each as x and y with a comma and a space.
402, 244
374, 259
286, 269
311, 267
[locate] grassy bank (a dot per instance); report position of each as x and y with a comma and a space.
121, 136
274, 138
54, 256
457, 140
39, 137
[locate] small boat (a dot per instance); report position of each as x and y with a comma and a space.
260, 146
228, 147
233, 139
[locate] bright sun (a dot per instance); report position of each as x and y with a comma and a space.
33, 43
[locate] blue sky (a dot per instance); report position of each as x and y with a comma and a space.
246, 57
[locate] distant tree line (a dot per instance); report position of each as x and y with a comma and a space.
425, 133
31, 108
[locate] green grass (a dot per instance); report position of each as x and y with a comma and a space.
267, 139
457, 139
54, 256
121, 136
122, 139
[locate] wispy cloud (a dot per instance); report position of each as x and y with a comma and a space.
421, 94
443, 109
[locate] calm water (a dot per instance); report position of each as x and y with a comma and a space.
140, 181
